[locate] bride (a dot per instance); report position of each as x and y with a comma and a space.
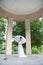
20, 49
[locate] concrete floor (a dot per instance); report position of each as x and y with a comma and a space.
14, 60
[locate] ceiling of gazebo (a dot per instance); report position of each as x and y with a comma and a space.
17, 8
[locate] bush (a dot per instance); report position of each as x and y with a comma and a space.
2, 51
35, 50
14, 48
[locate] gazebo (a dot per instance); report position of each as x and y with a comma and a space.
20, 10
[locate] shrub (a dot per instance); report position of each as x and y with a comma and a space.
35, 50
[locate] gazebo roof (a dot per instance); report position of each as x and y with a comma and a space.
21, 9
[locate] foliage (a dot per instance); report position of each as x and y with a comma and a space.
2, 31
14, 48
36, 33
35, 50
2, 51
19, 28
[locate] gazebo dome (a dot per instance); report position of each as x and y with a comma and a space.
21, 9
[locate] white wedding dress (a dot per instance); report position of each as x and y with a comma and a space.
20, 50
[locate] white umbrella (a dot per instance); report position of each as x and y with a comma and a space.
17, 38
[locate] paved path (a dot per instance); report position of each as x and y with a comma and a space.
14, 60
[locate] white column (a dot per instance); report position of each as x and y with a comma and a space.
42, 16
9, 37
28, 38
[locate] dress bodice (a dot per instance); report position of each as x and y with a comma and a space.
20, 42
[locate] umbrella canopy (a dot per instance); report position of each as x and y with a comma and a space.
17, 38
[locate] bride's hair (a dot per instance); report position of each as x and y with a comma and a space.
20, 38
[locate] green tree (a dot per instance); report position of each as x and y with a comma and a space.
36, 33
2, 31
19, 28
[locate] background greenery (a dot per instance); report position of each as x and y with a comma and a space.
36, 27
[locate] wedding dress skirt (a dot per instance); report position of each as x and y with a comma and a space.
21, 51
